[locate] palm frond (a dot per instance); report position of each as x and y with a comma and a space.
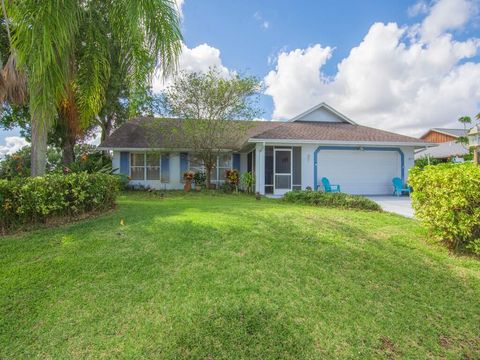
153, 25
150, 38
13, 83
93, 65
43, 38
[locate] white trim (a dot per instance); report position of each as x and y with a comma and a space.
326, 106
335, 142
145, 166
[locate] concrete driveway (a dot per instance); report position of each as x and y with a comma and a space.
401, 205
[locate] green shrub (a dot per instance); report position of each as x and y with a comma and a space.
26, 201
425, 161
248, 181
18, 164
200, 178
89, 159
123, 181
446, 199
338, 200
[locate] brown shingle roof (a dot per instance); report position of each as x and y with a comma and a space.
147, 132
323, 131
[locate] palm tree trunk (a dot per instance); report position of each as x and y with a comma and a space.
39, 146
106, 127
68, 122
68, 150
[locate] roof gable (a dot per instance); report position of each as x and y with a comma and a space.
449, 132
322, 113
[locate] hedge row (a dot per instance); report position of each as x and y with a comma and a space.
446, 199
36, 200
337, 200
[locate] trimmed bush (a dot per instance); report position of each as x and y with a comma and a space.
26, 201
337, 200
446, 199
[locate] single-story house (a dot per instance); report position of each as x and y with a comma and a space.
448, 147
283, 156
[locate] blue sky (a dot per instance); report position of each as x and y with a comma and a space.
401, 65
249, 33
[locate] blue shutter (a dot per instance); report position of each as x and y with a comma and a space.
124, 162
236, 162
183, 163
165, 165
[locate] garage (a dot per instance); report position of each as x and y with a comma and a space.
366, 171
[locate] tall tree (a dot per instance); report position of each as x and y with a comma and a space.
63, 48
208, 103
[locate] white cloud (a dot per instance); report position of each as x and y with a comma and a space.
179, 4
421, 7
393, 79
446, 15
12, 145
199, 59
297, 72
264, 24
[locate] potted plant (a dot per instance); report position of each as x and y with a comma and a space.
199, 180
187, 178
232, 178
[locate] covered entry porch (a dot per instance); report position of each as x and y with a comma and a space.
278, 169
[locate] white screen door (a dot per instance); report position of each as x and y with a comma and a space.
282, 159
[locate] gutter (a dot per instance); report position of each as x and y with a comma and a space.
154, 149
337, 142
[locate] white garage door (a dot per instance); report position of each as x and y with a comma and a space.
360, 172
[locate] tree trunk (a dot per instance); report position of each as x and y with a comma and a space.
106, 128
68, 121
39, 146
208, 172
68, 150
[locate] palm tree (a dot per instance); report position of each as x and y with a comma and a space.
63, 48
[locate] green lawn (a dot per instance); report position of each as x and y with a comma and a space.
214, 277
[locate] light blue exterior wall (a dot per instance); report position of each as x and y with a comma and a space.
177, 164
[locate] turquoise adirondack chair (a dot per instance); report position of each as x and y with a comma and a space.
399, 188
329, 187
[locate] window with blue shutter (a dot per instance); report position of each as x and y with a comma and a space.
124, 162
236, 162
165, 166
183, 164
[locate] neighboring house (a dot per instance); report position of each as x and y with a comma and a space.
439, 135
284, 156
447, 148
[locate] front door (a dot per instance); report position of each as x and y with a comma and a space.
282, 179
